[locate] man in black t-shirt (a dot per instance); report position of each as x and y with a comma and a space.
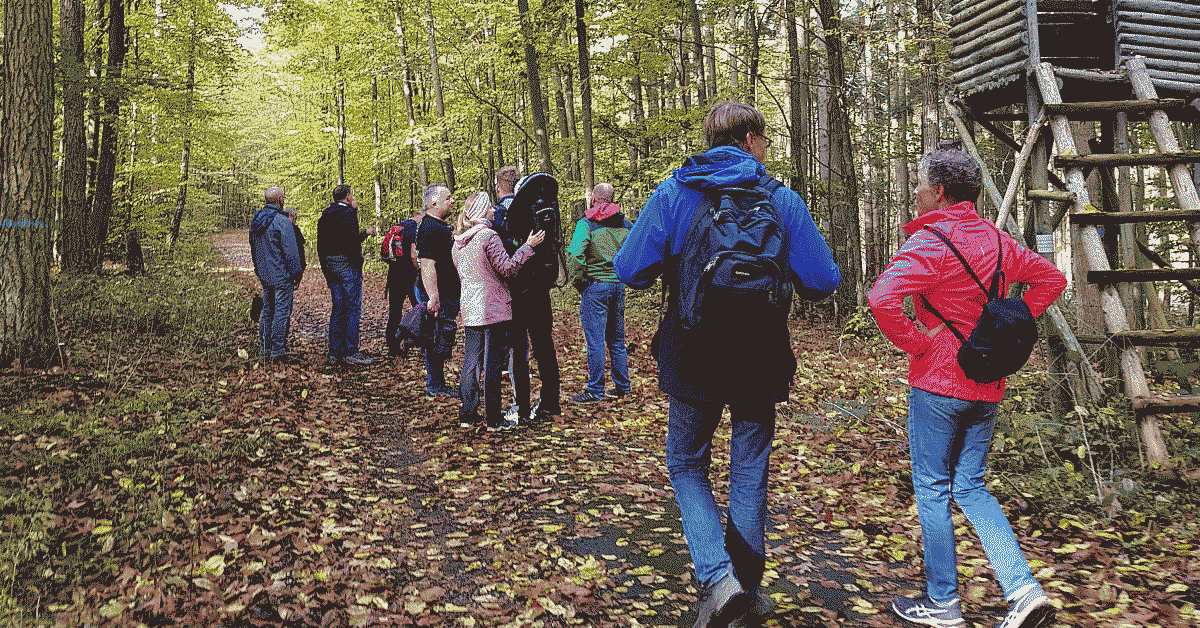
439, 284
339, 247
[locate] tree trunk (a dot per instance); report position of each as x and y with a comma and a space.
752, 26
534, 77
439, 99
339, 104
26, 180
94, 109
107, 167
414, 147
843, 192
185, 159
375, 166
929, 76
899, 108
74, 137
585, 93
797, 102
698, 53
564, 126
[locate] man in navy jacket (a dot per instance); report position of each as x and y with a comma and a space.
729, 565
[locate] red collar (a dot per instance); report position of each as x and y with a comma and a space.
958, 211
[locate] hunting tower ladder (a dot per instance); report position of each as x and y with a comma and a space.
1118, 60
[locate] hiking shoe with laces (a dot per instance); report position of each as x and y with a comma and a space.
616, 394
513, 413
469, 421
1030, 608
922, 610
587, 397
501, 426
722, 603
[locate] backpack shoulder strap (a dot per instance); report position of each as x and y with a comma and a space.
932, 310
963, 260
998, 275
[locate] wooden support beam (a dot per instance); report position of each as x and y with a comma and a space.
1182, 337
1165, 404
1056, 196
1133, 375
1014, 182
1118, 159
1092, 76
1118, 218
1007, 139
1162, 263
1141, 274
1101, 109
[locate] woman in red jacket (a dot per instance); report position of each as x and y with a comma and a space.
951, 417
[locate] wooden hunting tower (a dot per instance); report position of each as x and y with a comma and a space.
1119, 61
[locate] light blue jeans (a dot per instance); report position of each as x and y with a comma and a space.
949, 440
741, 548
602, 313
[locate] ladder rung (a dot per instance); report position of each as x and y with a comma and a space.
1103, 109
1120, 218
1182, 337
1051, 195
1142, 274
1166, 404
1141, 159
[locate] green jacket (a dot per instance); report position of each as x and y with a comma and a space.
593, 247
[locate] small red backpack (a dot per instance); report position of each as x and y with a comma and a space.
392, 247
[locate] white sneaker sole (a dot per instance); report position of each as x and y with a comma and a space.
929, 621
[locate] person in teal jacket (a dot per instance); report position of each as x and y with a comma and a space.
598, 237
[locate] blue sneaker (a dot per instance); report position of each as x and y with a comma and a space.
1028, 609
926, 612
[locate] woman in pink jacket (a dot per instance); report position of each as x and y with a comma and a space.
484, 265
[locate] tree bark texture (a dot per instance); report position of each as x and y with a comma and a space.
585, 92
439, 99
185, 159
75, 226
26, 179
106, 169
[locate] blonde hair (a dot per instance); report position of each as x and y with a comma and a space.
476, 210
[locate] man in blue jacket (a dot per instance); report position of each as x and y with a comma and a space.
277, 263
729, 565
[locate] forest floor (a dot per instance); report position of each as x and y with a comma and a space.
198, 485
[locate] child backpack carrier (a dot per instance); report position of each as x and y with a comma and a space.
534, 207
734, 293
392, 247
1004, 335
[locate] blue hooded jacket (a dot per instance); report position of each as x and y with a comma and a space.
663, 223
659, 234
273, 247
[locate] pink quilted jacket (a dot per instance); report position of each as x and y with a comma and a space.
484, 265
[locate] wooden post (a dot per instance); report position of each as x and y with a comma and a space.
1134, 377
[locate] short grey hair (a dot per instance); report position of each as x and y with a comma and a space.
603, 191
274, 194
958, 173
431, 193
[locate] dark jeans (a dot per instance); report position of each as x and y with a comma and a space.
602, 313
741, 547
345, 290
533, 326
435, 367
484, 351
274, 320
401, 287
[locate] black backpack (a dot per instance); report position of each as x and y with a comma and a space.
734, 293
534, 207
1004, 335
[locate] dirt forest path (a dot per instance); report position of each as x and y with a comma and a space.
401, 516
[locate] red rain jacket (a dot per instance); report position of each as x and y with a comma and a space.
926, 266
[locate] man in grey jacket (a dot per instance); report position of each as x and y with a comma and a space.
277, 264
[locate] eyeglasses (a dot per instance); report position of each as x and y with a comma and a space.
766, 139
